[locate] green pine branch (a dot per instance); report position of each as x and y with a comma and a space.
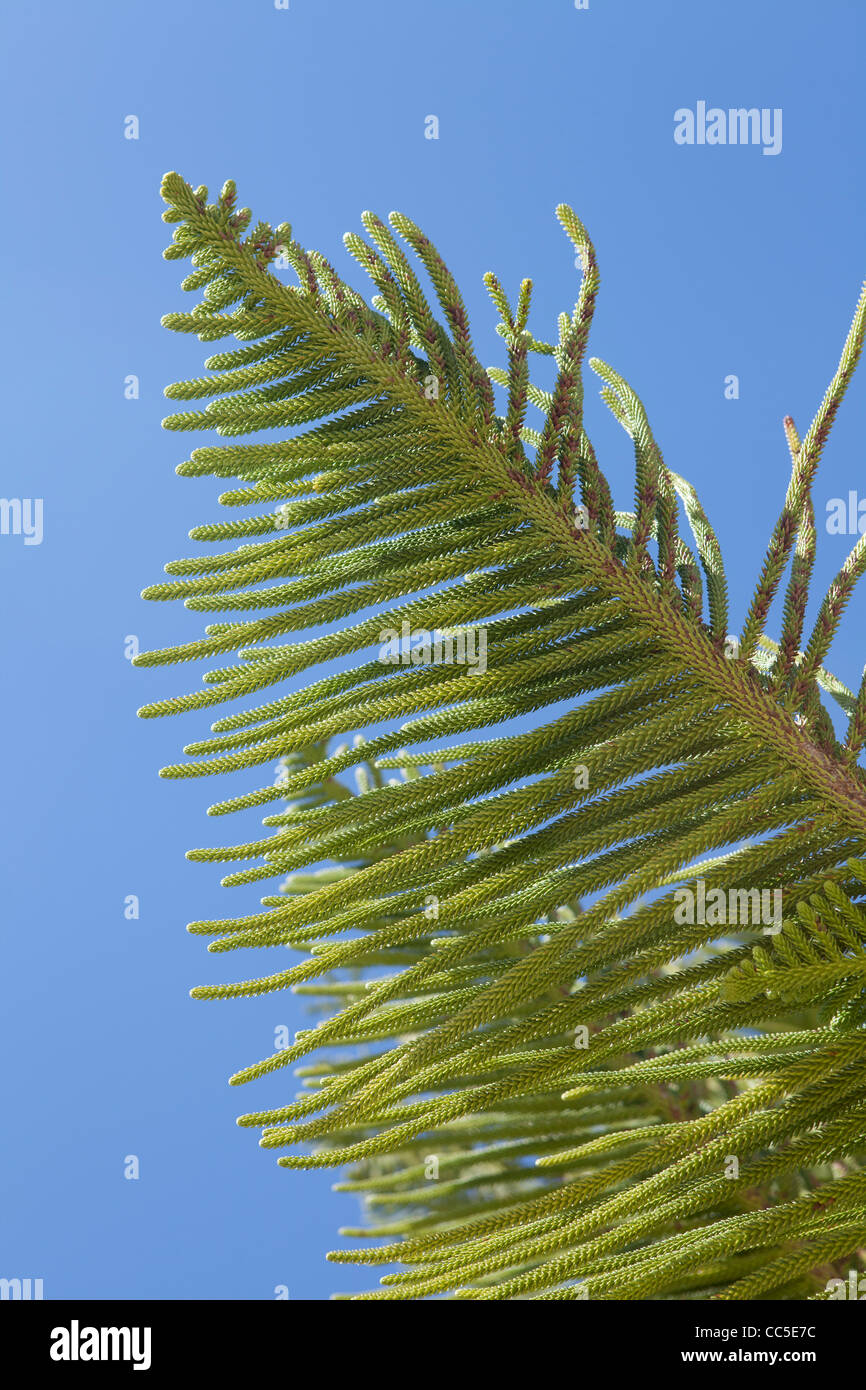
591, 994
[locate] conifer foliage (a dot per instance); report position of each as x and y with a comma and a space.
546, 1073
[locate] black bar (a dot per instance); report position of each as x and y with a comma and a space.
278, 1338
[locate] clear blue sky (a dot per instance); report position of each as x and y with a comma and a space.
715, 260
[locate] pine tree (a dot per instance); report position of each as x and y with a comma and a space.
593, 990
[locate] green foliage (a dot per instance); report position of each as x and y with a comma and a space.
544, 1077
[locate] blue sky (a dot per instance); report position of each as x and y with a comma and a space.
715, 261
